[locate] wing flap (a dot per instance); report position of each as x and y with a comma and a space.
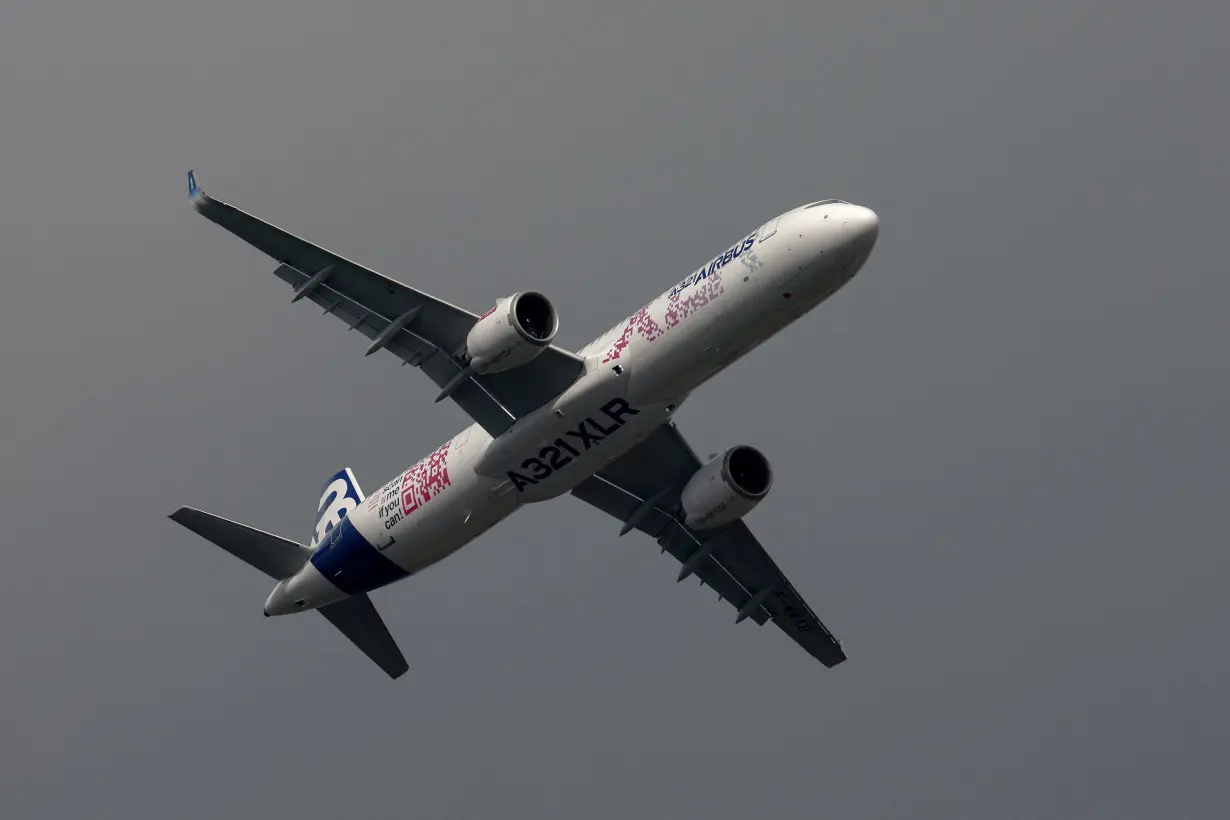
729, 559
439, 319
672, 537
408, 346
369, 302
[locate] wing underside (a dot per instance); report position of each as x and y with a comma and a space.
642, 488
421, 330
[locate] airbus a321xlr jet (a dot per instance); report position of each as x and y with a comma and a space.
595, 423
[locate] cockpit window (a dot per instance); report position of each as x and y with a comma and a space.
826, 202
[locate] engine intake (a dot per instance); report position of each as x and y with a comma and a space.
512, 333
535, 317
727, 488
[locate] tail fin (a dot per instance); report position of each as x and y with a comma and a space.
355, 617
340, 495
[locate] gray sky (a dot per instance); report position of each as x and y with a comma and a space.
1000, 452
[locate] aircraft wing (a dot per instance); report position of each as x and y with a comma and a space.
421, 330
642, 489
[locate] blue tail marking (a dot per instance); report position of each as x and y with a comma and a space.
351, 563
341, 553
193, 190
340, 495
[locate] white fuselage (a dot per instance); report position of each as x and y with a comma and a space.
637, 374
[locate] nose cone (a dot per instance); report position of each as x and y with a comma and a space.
862, 224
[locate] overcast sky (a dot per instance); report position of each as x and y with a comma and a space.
1000, 452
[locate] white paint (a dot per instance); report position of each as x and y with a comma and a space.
807, 252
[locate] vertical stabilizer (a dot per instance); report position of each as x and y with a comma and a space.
340, 495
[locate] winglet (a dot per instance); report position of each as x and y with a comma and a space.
194, 192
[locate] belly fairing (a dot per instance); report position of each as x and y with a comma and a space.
564, 442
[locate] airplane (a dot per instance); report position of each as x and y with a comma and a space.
596, 424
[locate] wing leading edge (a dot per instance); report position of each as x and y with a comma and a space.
418, 328
642, 489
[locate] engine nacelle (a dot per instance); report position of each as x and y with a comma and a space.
727, 488
512, 333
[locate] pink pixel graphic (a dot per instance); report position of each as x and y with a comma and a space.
701, 295
425, 480
642, 323
678, 309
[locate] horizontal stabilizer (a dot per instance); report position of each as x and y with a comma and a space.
357, 619
275, 556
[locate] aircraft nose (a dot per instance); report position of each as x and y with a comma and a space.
862, 223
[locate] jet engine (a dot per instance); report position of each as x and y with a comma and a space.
727, 488
512, 333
